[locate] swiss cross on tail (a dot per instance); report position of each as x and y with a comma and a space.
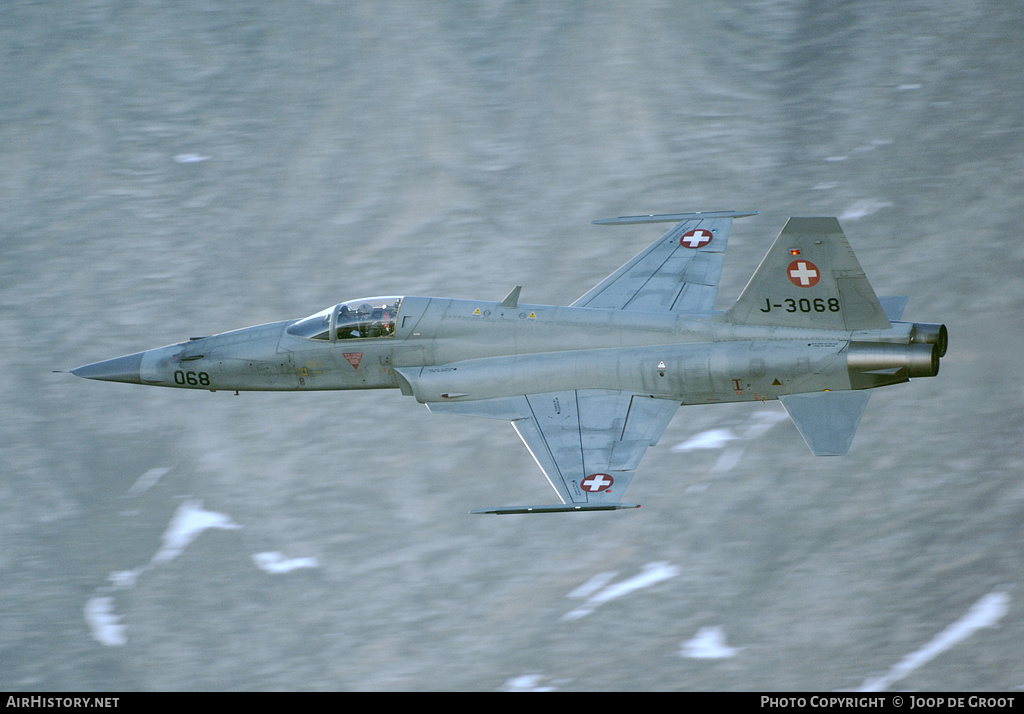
810, 278
803, 273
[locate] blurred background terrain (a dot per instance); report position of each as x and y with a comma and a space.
172, 169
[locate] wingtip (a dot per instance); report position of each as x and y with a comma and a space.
557, 508
672, 217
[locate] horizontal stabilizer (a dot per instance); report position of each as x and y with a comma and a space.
826, 420
558, 508
893, 306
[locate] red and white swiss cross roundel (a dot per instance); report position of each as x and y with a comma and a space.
697, 238
595, 483
803, 273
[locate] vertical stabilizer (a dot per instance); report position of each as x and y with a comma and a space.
810, 278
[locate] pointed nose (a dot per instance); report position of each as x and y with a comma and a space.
119, 369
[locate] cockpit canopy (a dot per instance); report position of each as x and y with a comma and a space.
354, 319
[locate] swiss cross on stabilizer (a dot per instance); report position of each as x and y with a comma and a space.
697, 238
803, 273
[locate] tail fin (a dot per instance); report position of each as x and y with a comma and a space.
809, 278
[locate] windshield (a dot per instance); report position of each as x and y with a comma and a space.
315, 327
351, 320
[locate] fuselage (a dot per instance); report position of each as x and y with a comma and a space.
441, 350
591, 386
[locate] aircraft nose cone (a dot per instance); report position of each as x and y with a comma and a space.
119, 369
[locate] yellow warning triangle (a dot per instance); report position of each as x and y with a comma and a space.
477, 311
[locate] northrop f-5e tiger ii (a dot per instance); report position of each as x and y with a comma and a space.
589, 387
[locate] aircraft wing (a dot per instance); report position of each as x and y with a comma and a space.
679, 272
587, 442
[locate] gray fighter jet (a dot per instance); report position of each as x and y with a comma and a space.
591, 386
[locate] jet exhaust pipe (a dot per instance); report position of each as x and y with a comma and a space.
873, 364
928, 334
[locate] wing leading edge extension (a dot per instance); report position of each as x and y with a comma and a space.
679, 272
588, 443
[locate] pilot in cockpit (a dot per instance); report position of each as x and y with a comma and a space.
346, 319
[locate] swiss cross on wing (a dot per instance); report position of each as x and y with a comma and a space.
697, 238
595, 483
